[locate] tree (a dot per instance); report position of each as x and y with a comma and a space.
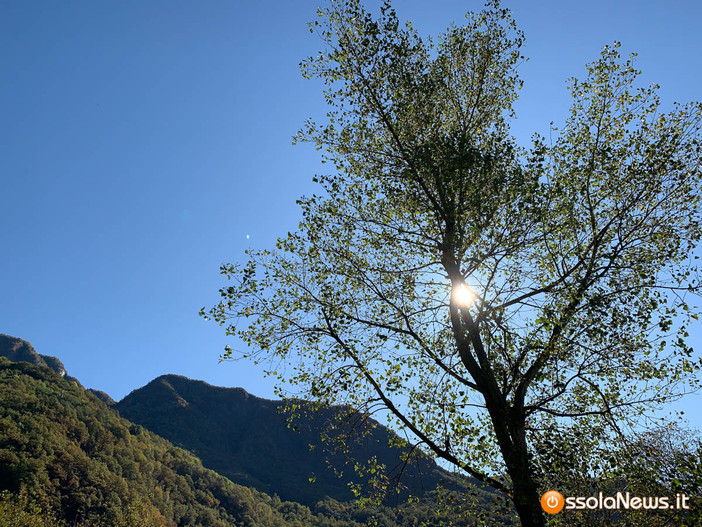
660, 462
513, 310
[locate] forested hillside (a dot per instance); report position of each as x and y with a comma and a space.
75, 456
67, 458
253, 442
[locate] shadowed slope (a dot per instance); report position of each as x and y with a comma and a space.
248, 439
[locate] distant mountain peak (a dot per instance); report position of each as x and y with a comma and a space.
252, 441
18, 350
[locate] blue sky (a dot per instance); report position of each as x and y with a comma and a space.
145, 143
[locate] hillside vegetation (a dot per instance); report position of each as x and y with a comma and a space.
253, 442
76, 457
66, 458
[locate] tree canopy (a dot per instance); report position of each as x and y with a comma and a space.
514, 309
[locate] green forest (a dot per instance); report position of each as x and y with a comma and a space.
68, 459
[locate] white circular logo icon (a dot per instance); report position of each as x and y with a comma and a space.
552, 502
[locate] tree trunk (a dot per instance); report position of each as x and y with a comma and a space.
526, 500
526, 492
511, 438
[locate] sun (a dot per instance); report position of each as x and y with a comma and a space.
463, 295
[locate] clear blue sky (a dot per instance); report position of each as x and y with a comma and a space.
144, 143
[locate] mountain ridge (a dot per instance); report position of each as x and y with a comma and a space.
252, 441
84, 465
18, 350
245, 440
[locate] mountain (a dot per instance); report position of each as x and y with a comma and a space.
18, 350
68, 458
250, 441
77, 457
105, 398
